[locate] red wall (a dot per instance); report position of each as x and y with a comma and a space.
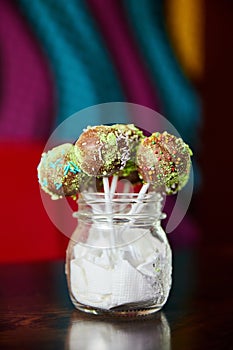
24, 222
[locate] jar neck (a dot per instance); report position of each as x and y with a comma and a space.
120, 207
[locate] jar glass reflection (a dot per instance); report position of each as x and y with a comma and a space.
98, 334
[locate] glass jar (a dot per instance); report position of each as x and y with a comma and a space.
118, 260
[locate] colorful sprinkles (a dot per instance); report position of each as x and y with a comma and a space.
159, 165
162, 160
58, 173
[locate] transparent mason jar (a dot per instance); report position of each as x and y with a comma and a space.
118, 261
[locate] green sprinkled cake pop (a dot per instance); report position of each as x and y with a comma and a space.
102, 150
164, 161
58, 172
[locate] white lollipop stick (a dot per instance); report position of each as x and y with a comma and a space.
127, 185
137, 206
114, 184
108, 208
107, 195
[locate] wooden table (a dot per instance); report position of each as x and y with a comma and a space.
36, 312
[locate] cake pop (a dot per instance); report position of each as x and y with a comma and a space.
102, 150
164, 161
58, 172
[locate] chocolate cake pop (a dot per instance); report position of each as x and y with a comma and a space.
134, 135
164, 161
180, 155
58, 173
102, 150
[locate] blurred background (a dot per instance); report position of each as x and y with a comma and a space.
58, 57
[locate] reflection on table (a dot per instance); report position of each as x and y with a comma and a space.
97, 334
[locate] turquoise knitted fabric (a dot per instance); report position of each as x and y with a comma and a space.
82, 69
181, 104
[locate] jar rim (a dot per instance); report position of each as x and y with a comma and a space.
115, 206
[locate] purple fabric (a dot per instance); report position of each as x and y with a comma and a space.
187, 233
27, 101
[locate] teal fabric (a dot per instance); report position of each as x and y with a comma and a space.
181, 104
83, 72
83, 68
